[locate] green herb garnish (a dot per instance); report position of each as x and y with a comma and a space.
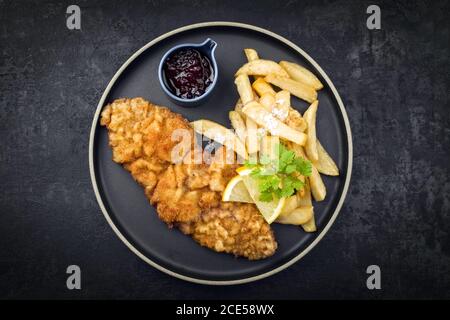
279, 177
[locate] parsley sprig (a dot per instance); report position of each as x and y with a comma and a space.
279, 177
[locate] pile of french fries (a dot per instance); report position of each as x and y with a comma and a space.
264, 113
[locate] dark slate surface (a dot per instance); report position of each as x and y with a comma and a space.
394, 83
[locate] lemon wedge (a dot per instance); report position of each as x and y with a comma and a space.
243, 171
236, 191
270, 210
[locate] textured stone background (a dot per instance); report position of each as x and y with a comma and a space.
394, 83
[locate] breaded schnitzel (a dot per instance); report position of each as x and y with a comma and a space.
140, 137
186, 194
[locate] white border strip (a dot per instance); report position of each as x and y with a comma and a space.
100, 106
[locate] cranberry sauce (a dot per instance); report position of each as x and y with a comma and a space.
188, 73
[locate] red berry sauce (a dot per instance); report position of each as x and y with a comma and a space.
188, 73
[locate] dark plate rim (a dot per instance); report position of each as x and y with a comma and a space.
319, 236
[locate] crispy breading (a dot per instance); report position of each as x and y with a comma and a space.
235, 228
186, 194
140, 135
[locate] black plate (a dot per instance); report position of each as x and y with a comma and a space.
123, 202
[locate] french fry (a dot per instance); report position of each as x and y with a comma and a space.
282, 104
296, 88
262, 67
238, 108
318, 188
255, 96
325, 164
316, 184
244, 88
219, 133
251, 54
298, 216
298, 150
267, 100
310, 226
305, 201
291, 203
252, 136
262, 87
270, 149
238, 124
301, 74
296, 121
311, 143
301, 192
264, 118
